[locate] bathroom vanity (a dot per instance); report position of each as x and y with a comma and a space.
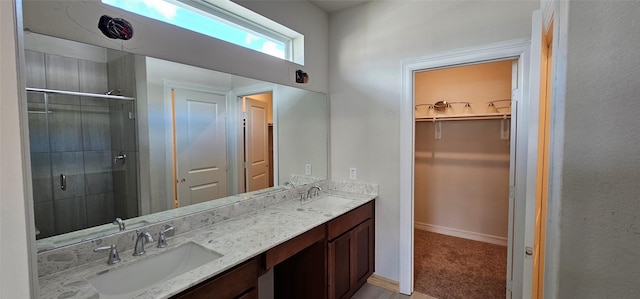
321, 247
341, 249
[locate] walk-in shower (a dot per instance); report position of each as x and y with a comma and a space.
83, 145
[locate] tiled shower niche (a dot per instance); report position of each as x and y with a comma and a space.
79, 139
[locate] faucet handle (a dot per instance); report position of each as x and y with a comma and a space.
167, 231
114, 257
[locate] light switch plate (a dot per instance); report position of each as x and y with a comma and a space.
353, 173
307, 169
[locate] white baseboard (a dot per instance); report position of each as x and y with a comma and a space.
461, 233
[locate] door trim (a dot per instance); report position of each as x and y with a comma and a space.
518, 49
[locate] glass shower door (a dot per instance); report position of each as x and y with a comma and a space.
83, 159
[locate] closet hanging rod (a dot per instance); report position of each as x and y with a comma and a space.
487, 116
83, 94
503, 100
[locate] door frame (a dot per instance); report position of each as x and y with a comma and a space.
521, 194
237, 150
246, 141
168, 129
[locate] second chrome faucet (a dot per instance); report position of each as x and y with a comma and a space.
141, 238
145, 237
312, 192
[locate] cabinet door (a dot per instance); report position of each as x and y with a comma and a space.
363, 256
236, 283
340, 264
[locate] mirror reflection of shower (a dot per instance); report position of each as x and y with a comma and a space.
82, 134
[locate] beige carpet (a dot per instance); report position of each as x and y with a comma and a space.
448, 267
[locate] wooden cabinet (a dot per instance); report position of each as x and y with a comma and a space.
332, 261
350, 251
300, 266
240, 282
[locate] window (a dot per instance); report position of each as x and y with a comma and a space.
205, 18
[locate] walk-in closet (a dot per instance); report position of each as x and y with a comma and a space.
461, 179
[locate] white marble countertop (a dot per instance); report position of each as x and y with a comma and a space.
238, 239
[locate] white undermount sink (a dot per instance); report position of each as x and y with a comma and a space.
126, 281
328, 202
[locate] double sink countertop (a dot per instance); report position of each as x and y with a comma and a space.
237, 240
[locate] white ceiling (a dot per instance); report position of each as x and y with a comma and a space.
335, 5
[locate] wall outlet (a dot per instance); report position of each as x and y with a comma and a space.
307, 169
353, 173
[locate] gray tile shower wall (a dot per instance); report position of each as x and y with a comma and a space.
72, 136
123, 136
35, 69
61, 73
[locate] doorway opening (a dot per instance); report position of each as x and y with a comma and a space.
257, 141
462, 173
524, 106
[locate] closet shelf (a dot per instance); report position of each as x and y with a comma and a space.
444, 117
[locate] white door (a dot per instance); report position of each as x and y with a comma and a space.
256, 145
200, 146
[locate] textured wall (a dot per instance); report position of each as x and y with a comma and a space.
367, 45
600, 228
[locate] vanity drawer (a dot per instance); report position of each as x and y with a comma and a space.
239, 282
344, 223
286, 250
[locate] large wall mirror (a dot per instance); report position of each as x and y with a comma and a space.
120, 135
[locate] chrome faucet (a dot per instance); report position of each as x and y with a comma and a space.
167, 231
114, 257
313, 191
119, 223
138, 249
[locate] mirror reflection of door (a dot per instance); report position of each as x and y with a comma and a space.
258, 170
200, 151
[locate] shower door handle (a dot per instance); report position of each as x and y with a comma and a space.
63, 182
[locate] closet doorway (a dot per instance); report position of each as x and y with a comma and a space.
257, 141
462, 170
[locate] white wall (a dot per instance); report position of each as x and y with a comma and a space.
599, 183
462, 180
367, 46
302, 132
14, 245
